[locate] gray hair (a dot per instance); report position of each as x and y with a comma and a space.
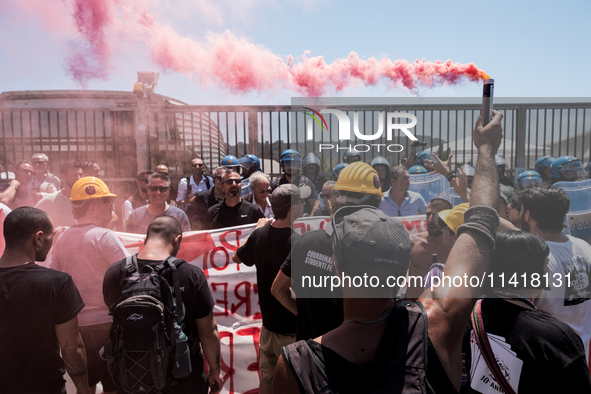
158, 175
330, 184
42, 155
396, 171
259, 176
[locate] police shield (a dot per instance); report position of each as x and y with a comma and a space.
428, 185
579, 215
450, 195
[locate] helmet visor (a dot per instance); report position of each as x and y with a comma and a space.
523, 182
294, 164
572, 171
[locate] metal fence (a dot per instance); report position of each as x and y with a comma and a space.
175, 134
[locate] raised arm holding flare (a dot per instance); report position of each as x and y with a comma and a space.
448, 308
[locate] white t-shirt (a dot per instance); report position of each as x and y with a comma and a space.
86, 252
569, 302
5, 209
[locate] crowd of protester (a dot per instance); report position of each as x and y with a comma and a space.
529, 337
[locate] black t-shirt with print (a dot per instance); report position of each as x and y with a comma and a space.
552, 353
223, 216
319, 309
267, 248
195, 293
33, 300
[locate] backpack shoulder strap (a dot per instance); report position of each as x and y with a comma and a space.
207, 182
173, 263
129, 266
477, 323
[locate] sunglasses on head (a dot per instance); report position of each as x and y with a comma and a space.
197, 164
161, 189
231, 181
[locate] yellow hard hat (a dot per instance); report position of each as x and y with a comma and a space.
359, 177
90, 187
454, 217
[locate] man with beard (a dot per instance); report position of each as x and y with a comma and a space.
58, 204
140, 197
425, 245
233, 211
197, 210
543, 208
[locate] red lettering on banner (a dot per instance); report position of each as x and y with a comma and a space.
226, 256
229, 245
228, 369
418, 224
244, 299
255, 332
224, 301
299, 226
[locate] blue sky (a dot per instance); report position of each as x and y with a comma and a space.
532, 49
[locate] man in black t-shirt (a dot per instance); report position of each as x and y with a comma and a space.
267, 248
163, 239
38, 309
233, 211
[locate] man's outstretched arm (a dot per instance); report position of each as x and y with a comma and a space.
448, 307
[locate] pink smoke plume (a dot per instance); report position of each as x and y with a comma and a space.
232, 62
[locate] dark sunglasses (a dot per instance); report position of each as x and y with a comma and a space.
39, 162
161, 189
326, 195
231, 181
263, 191
197, 164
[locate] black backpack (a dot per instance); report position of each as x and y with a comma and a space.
147, 350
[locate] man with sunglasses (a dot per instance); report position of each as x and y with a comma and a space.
197, 210
85, 251
140, 197
261, 189
158, 189
329, 197
191, 185
234, 210
17, 194
44, 181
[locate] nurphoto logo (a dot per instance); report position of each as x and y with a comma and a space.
344, 128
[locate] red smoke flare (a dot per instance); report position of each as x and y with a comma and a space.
231, 62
